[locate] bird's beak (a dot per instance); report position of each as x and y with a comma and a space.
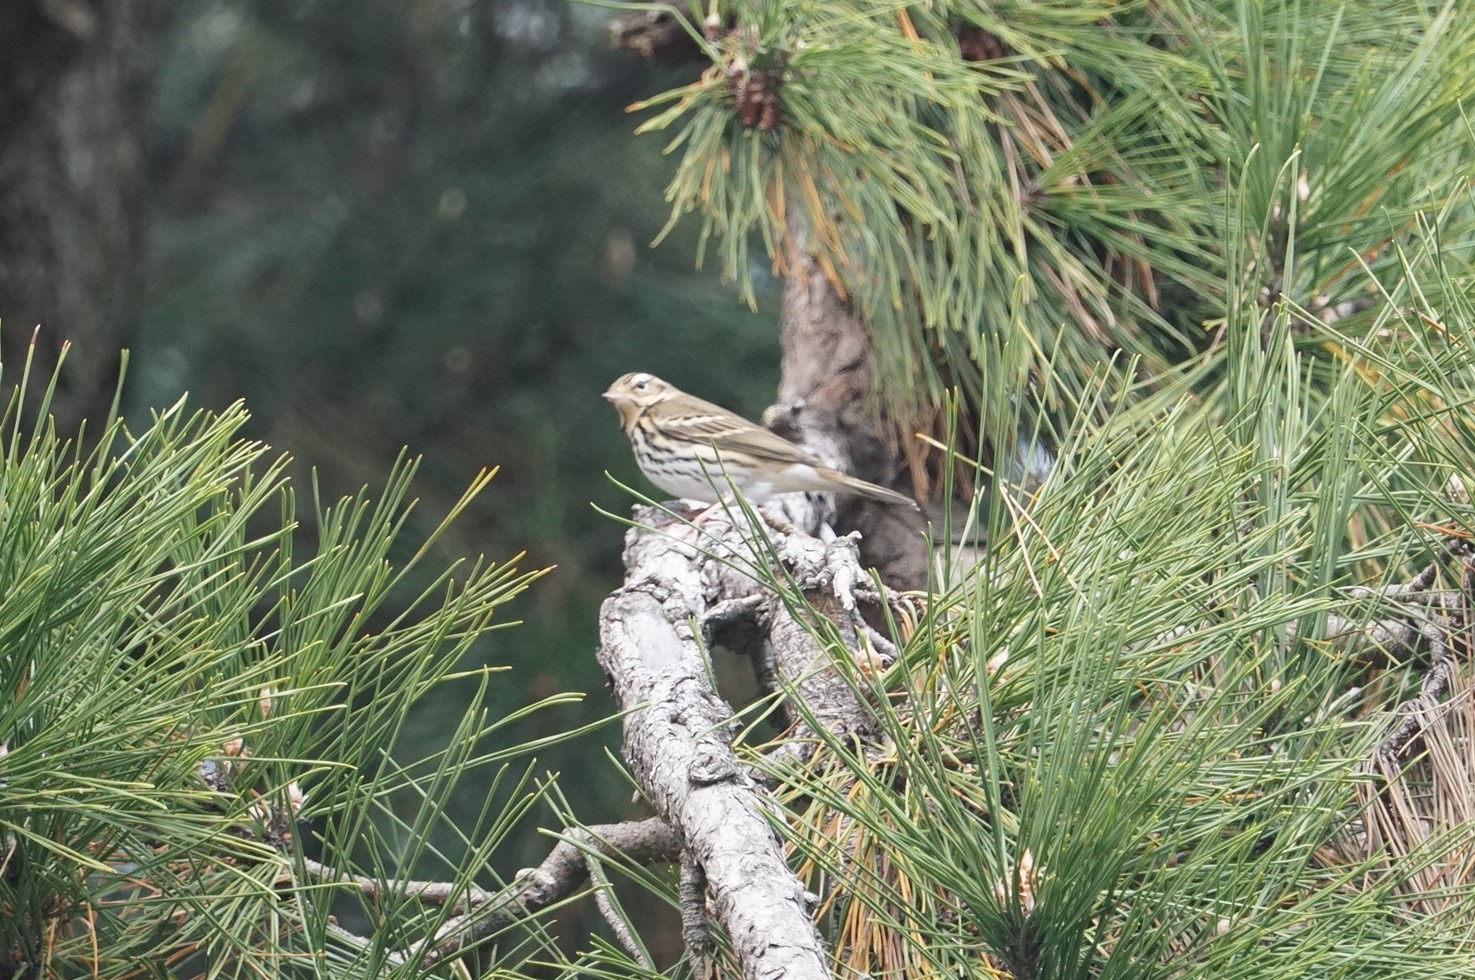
609, 396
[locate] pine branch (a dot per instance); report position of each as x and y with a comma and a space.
679, 732
477, 914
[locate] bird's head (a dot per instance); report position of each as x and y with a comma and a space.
635, 393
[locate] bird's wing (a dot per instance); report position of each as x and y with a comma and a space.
765, 445
704, 422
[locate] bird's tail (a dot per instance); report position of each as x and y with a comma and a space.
872, 491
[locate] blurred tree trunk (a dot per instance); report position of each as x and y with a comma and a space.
73, 83
828, 384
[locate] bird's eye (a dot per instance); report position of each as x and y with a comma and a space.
641, 385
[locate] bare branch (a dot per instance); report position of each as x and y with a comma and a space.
831, 577
678, 735
478, 913
694, 913
678, 731
429, 892
611, 913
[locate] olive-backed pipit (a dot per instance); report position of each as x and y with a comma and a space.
694, 449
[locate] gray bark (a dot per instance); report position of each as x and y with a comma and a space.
679, 731
73, 79
477, 914
827, 402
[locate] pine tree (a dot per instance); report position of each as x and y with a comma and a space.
1184, 695
1178, 294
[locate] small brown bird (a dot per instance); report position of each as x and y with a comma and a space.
693, 448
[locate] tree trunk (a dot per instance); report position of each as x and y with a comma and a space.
73, 84
826, 400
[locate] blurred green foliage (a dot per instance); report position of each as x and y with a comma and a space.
424, 224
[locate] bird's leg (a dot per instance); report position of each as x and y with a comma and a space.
721, 506
777, 523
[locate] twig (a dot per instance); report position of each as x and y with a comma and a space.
1445, 616
481, 913
430, 892
693, 900
1431, 691
612, 916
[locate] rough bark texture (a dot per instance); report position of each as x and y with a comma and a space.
73, 79
678, 736
834, 584
826, 401
678, 730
